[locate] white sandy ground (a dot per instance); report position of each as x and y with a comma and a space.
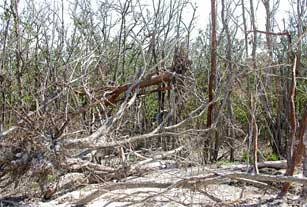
231, 194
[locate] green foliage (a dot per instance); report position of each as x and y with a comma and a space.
245, 156
51, 178
201, 78
240, 114
272, 157
301, 98
151, 105
28, 99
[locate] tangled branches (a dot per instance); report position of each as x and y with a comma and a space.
36, 147
32, 151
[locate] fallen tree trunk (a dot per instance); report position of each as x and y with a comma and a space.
298, 151
268, 178
194, 183
112, 97
280, 164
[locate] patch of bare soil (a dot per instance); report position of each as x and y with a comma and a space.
173, 187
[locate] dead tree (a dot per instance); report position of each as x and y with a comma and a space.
208, 152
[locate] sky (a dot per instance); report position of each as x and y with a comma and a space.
204, 7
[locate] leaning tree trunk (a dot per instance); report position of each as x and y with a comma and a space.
297, 152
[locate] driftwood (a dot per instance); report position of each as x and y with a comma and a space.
159, 156
280, 164
189, 183
193, 183
268, 178
98, 173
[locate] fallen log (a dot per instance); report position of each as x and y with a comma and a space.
193, 182
113, 93
184, 183
280, 164
158, 158
267, 178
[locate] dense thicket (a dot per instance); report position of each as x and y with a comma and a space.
128, 75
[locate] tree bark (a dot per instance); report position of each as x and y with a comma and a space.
211, 87
253, 121
292, 113
297, 152
14, 9
228, 66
